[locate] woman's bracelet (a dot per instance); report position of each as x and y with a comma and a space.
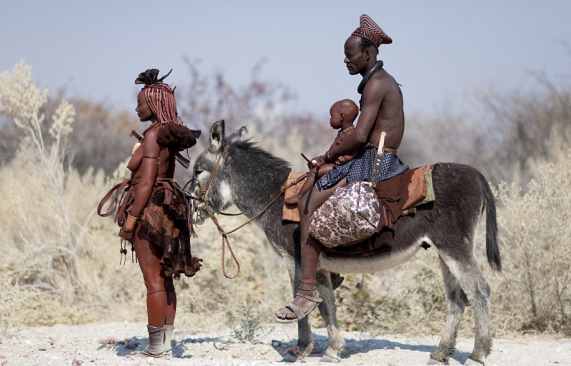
130, 222
326, 157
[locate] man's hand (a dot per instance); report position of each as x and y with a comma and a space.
316, 162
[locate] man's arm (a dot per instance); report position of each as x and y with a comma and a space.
372, 99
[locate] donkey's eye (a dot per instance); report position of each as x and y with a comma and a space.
197, 173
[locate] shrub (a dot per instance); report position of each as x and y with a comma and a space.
534, 292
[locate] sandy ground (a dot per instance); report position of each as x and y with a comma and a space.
80, 345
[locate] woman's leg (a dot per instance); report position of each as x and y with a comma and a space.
171, 301
149, 258
170, 314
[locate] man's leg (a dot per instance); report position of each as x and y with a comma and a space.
310, 250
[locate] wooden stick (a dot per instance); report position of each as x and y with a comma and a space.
376, 172
382, 143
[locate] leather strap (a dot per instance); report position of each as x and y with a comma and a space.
117, 190
387, 149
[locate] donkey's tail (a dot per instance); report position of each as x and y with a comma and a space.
492, 249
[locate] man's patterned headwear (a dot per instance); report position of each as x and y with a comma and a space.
371, 31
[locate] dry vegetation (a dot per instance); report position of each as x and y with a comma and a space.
60, 261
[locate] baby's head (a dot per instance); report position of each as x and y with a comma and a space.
343, 113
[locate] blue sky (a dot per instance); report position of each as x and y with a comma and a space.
442, 50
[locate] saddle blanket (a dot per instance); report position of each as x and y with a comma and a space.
290, 212
399, 195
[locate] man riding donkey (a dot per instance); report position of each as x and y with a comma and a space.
381, 111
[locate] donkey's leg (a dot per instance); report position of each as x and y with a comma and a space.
470, 279
456, 305
304, 342
328, 312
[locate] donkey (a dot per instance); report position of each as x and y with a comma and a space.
235, 171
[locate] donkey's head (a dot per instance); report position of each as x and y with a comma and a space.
211, 183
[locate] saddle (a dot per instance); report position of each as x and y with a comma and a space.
399, 196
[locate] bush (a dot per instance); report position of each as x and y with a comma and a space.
46, 214
534, 292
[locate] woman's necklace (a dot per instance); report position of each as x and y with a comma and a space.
153, 124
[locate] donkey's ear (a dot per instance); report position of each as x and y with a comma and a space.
217, 136
237, 135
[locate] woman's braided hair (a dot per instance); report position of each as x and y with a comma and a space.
159, 96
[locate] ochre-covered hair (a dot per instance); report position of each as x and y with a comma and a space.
159, 96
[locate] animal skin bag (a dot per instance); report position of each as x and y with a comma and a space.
352, 213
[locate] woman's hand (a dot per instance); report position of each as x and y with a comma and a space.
341, 160
127, 235
128, 229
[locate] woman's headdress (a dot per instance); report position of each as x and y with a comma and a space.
159, 96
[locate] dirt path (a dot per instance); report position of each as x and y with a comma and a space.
80, 345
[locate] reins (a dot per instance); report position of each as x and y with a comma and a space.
225, 241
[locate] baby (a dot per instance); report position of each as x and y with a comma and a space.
343, 114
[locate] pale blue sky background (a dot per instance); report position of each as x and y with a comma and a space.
441, 50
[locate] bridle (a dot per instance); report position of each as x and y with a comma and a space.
204, 189
210, 212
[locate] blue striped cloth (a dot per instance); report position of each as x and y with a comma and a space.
360, 169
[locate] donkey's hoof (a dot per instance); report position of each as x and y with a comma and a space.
432, 361
293, 358
295, 354
331, 357
470, 361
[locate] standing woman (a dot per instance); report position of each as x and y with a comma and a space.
153, 212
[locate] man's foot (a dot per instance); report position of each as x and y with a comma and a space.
293, 200
304, 303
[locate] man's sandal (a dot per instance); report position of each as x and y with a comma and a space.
293, 307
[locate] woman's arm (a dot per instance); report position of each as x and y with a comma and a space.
147, 173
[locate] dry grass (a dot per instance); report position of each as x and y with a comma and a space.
534, 293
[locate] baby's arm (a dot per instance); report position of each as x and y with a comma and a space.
344, 159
